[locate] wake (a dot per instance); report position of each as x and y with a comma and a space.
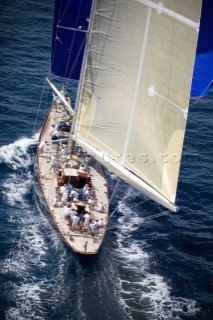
33, 242
16, 154
141, 292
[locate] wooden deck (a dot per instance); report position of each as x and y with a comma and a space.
80, 241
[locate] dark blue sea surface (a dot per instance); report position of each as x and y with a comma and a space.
148, 268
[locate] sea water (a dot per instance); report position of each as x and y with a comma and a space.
158, 268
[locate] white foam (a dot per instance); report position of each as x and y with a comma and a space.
29, 259
16, 154
16, 186
141, 290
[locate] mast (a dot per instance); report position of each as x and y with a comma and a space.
74, 126
83, 70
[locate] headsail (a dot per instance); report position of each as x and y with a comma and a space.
71, 19
203, 69
136, 89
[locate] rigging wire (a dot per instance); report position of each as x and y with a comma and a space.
38, 111
120, 202
73, 39
39, 106
126, 196
145, 219
201, 96
115, 189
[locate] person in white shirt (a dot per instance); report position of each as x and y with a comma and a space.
86, 187
86, 219
82, 168
41, 146
101, 207
91, 203
86, 194
55, 202
64, 157
62, 189
94, 226
65, 196
75, 220
54, 97
101, 222
56, 133
67, 211
88, 159
74, 193
63, 151
52, 129
53, 162
73, 213
59, 100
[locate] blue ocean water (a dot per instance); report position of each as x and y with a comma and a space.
147, 268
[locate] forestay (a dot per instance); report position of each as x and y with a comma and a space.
136, 89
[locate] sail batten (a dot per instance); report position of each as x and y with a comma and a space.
71, 29
162, 9
137, 83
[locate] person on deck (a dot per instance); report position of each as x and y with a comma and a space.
101, 222
64, 157
62, 189
59, 100
74, 194
41, 146
54, 98
86, 219
94, 227
86, 194
53, 162
67, 211
69, 187
82, 168
91, 203
65, 197
55, 202
73, 213
56, 132
52, 129
88, 159
101, 207
63, 151
75, 221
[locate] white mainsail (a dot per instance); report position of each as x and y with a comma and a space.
136, 86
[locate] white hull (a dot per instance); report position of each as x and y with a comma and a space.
81, 240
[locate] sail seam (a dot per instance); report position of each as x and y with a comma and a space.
161, 9
72, 29
171, 103
134, 99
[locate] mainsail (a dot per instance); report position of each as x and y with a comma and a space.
136, 87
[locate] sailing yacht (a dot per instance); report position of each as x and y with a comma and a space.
134, 61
